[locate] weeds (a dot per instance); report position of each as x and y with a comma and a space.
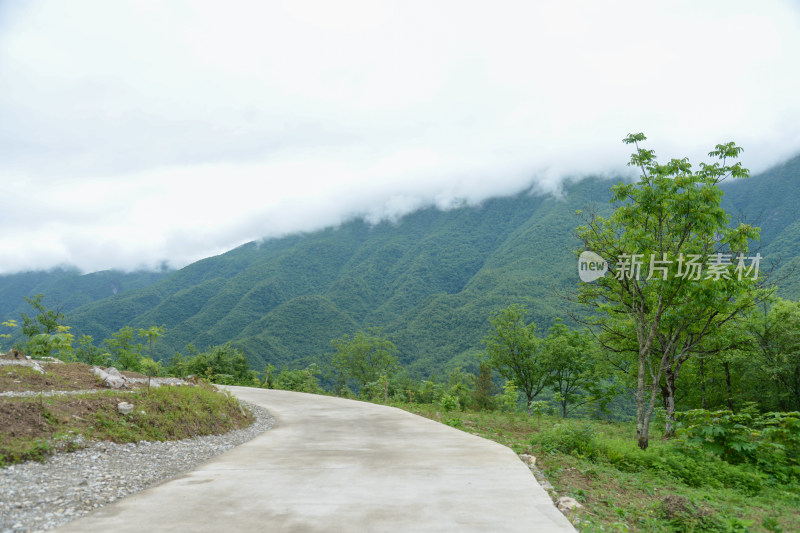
165, 413
674, 486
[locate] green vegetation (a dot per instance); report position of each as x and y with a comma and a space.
425, 280
167, 413
222, 364
68, 289
671, 215
676, 485
711, 362
514, 350
7, 324
775, 332
430, 280
365, 359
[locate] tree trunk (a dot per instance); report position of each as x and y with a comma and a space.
702, 385
728, 385
643, 414
796, 388
669, 404
642, 438
642, 422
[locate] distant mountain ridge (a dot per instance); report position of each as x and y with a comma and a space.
67, 288
430, 279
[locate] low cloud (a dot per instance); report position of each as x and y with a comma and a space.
135, 133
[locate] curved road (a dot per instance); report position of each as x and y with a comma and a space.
335, 465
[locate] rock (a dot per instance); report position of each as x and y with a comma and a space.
566, 504
111, 378
16, 358
13, 353
125, 408
528, 459
114, 382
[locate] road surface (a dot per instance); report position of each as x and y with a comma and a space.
336, 465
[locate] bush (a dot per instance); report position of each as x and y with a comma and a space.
571, 439
297, 380
694, 468
448, 402
691, 466
222, 361
540, 407
683, 514
723, 433
510, 397
770, 441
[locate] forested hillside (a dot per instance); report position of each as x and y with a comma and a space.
771, 202
430, 280
67, 289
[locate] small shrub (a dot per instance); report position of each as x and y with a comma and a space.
510, 397
540, 407
723, 433
770, 441
571, 439
448, 403
684, 515
770, 523
454, 422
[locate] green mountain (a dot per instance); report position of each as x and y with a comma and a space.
67, 289
430, 279
770, 201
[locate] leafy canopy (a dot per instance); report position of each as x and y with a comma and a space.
679, 271
514, 350
365, 357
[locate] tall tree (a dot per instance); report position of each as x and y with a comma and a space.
222, 360
577, 376
514, 350
679, 273
87, 352
49, 344
364, 357
45, 321
125, 353
47, 335
484, 388
776, 332
8, 324
151, 334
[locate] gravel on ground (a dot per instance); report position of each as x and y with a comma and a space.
40, 496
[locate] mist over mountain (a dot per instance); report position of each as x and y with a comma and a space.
430, 279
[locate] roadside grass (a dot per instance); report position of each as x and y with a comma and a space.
22, 378
35, 427
670, 487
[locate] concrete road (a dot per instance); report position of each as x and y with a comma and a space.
335, 465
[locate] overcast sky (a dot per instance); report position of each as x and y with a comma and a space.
138, 132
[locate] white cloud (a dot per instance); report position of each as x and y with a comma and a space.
136, 132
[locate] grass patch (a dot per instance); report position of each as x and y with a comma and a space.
35, 427
670, 487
